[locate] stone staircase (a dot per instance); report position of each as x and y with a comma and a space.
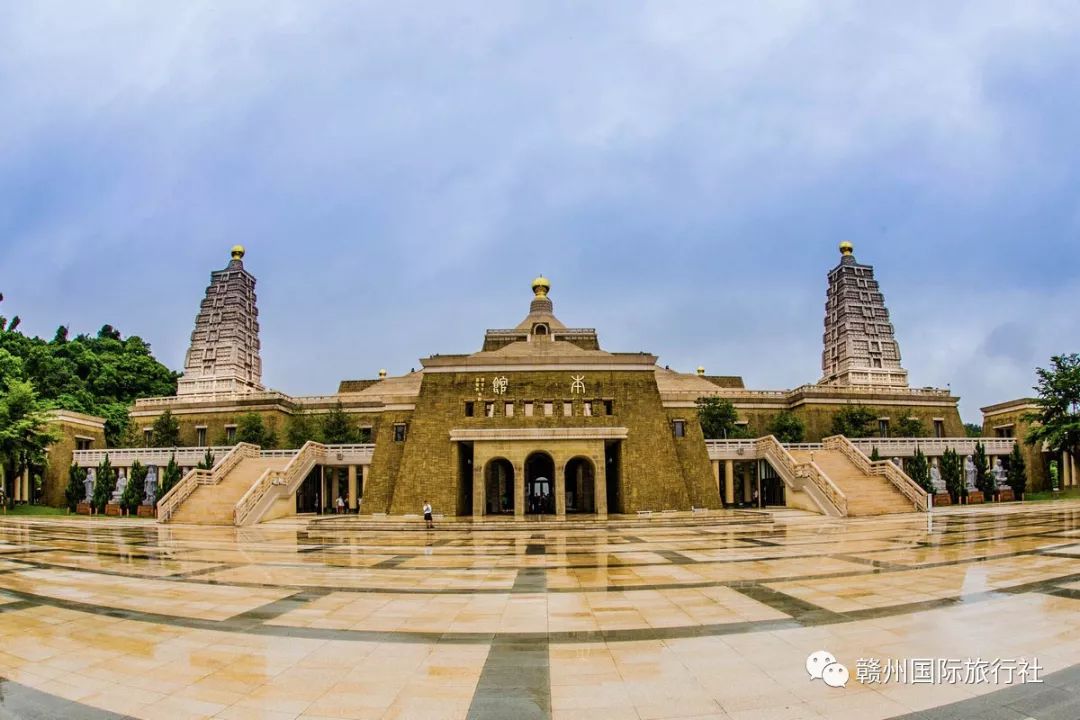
214, 504
866, 494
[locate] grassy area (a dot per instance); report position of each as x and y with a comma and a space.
34, 510
41, 511
1069, 494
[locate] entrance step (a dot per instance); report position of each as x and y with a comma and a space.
363, 523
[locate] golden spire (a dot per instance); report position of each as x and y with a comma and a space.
701, 370
382, 373
540, 286
237, 252
846, 248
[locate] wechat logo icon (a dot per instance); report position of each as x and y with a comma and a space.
822, 665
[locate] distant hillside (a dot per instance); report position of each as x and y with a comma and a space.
100, 375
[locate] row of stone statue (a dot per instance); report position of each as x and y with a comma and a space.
150, 485
998, 471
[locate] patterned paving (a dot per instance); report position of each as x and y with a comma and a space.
114, 618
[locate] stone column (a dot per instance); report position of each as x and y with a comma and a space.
322, 489
600, 487
729, 482
559, 481
1065, 476
479, 491
1075, 478
17, 482
519, 490
352, 488
747, 490
26, 496
364, 470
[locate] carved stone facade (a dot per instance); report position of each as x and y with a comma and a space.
224, 352
860, 342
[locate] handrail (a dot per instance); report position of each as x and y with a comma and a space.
772, 450
288, 478
900, 480
172, 500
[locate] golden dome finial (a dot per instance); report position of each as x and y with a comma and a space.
701, 370
540, 286
846, 248
238, 252
382, 373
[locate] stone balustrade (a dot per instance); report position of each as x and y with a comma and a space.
887, 447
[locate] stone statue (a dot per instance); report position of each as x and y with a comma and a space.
88, 484
121, 483
969, 474
897, 463
150, 486
1000, 481
935, 478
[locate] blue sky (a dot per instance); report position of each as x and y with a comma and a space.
682, 171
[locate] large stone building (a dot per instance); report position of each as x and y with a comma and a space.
543, 418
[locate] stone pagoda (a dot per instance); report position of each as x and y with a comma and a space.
860, 342
224, 352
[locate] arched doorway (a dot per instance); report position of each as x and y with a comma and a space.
539, 484
499, 487
580, 486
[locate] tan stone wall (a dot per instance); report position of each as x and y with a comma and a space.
55, 477
381, 481
215, 422
1037, 463
652, 472
694, 461
818, 417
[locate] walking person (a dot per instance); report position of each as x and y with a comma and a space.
427, 516
340, 503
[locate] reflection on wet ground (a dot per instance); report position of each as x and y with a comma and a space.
112, 618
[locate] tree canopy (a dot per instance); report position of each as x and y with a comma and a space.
787, 428
101, 375
718, 418
854, 421
1057, 420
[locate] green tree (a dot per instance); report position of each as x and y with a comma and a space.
1016, 473
207, 462
787, 428
100, 375
300, 428
170, 477
854, 421
104, 484
972, 430
133, 492
337, 427
952, 473
874, 454
25, 433
165, 432
1056, 422
910, 426
76, 488
984, 479
918, 469
251, 429
718, 418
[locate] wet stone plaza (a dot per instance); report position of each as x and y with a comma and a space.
329, 618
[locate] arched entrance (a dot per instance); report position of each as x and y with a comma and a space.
580, 486
499, 487
539, 484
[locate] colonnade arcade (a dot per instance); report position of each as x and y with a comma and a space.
556, 478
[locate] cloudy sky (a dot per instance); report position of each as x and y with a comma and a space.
682, 171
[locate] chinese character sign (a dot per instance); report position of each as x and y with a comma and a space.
499, 385
577, 386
